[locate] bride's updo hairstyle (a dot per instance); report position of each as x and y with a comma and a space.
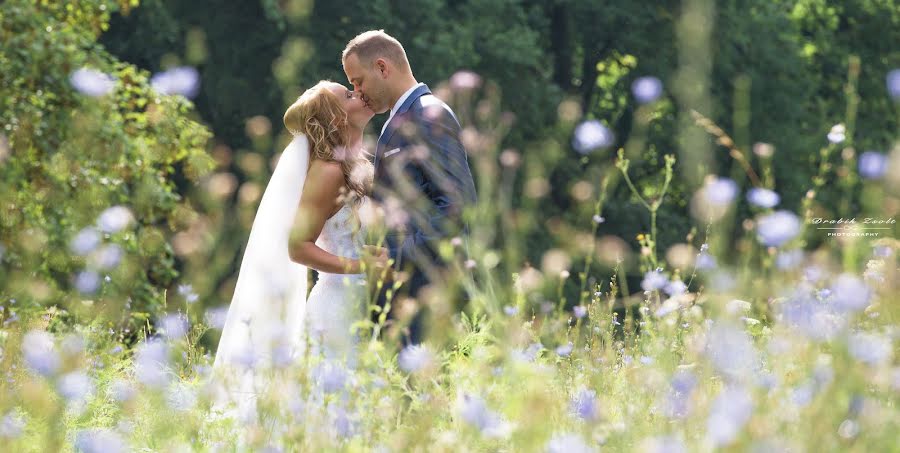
318, 115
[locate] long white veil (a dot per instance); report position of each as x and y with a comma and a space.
264, 326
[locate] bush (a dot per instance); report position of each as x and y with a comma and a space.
72, 156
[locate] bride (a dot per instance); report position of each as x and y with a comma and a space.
306, 219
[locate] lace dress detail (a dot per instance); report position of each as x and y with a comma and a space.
337, 300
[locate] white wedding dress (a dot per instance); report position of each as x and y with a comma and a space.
270, 323
337, 301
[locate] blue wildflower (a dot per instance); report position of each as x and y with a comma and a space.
849, 293
568, 443
584, 405
763, 198
92, 82
150, 362
777, 228
474, 411
580, 311
731, 410
182, 80
39, 352
870, 348
99, 440
330, 376
893, 83
872, 165
590, 136
565, 349
646, 89
114, 219
415, 358
654, 280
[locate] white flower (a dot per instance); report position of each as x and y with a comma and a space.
465, 80
737, 306
837, 134
764, 150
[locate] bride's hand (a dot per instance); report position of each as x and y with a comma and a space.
376, 258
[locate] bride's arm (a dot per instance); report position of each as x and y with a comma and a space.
317, 203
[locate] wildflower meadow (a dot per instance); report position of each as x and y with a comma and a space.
685, 236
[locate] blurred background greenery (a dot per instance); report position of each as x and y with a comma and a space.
777, 74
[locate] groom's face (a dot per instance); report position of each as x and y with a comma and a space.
369, 82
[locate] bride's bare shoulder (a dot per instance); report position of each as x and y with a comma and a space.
325, 172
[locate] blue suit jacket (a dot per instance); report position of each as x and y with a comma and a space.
421, 161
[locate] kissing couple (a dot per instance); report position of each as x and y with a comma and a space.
318, 208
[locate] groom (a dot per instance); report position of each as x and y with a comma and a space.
420, 163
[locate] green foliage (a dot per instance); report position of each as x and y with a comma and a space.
73, 156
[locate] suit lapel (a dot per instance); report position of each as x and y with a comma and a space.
394, 123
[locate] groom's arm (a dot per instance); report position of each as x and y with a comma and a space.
433, 172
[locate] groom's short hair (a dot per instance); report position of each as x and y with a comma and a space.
374, 44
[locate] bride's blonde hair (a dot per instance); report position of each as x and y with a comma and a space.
318, 114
